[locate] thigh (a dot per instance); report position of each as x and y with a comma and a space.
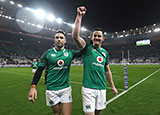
101, 100
67, 108
33, 70
56, 109
88, 97
52, 98
66, 95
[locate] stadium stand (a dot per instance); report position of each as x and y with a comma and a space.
18, 46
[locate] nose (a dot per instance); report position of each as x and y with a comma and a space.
59, 39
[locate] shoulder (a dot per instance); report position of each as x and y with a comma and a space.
47, 52
104, 52
86, 47
50, 50
72, 51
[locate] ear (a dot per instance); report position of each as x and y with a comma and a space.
103, 38
64, 40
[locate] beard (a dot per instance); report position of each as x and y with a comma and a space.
59, 44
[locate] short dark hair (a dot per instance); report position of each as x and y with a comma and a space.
61, 31
96, 29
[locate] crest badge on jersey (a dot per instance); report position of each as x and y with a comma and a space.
60, 62
66, 54
99, 59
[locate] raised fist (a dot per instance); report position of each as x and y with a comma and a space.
81, 10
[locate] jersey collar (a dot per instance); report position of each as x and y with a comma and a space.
57, 51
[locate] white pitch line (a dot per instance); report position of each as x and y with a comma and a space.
16, 73
79, 83
116, 97
74, 82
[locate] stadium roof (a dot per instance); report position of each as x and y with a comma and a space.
110, 15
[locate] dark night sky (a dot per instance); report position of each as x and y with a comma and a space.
110, 15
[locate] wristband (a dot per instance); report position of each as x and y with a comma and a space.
33, 86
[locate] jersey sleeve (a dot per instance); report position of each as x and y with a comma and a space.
84, 50
43, 60
107, 59
75, 53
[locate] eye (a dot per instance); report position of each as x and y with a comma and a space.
97, 36
57, 37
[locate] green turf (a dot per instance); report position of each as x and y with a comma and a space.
144, 99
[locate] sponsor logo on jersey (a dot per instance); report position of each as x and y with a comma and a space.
60, 62
98, 64
66, 54
59, 68
99, 59
53, 55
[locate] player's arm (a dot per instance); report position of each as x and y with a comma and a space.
108, 75
34, 65
33, 92
77, 26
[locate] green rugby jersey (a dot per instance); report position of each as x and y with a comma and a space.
34, 63
94, 60
58, 66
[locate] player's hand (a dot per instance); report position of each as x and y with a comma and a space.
114, 91
32, 94
81, 10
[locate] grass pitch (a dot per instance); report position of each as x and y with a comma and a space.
143, 99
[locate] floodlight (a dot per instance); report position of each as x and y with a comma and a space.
39, 14
72, 25
19, 5
50, 17
11, 2
39, 26
59, 20
157, 30
29, 9
83, 29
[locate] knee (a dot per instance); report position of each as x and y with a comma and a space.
57, 112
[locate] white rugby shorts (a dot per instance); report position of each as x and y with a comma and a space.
34, 70
53, 97
93, 99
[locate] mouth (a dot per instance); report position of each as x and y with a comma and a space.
59, 44
96, 40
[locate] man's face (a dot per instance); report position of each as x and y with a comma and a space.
34, 60
97, 38
59, 40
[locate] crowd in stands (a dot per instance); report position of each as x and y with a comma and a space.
22, 49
